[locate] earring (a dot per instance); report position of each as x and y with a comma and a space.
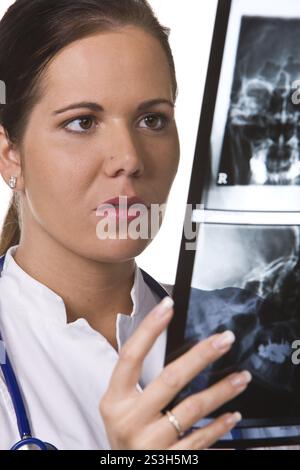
12, 182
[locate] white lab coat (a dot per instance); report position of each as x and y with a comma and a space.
63, 368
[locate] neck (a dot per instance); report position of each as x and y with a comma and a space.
90, 289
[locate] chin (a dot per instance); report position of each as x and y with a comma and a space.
119, 250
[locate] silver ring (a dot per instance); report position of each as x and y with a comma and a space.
174, 421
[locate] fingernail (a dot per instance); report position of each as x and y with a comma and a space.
240, 379
224, 340
164, 306
233, 419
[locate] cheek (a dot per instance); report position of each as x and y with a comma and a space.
58, 175
167, 157
175, 155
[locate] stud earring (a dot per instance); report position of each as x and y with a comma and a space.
12, 182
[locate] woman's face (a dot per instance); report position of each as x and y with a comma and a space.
74, 160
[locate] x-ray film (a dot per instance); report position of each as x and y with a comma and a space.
246, 279
242, 273
255, 138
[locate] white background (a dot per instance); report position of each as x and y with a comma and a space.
191, 24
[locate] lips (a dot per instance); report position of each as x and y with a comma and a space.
121, 205
122, 200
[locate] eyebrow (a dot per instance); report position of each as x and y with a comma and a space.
97, 107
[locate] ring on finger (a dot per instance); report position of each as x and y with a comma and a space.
174, 421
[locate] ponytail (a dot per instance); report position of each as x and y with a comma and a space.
10, 233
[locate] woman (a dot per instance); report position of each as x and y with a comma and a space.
89, 116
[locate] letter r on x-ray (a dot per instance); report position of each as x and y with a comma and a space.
222, 179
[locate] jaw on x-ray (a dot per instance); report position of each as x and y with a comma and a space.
247, 279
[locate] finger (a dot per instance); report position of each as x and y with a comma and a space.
202, 404
128, 368
208, 435
180, 372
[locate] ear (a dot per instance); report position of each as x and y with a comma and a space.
10, 160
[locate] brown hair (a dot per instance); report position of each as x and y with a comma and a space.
31, 33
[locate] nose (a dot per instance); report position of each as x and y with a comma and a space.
123, 154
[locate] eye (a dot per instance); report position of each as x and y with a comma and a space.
80, 125
155, 121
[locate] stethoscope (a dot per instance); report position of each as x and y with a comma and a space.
27, 441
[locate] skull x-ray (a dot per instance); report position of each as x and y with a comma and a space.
255, 135
262, 138
247, 279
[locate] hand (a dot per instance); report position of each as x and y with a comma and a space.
133, 419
